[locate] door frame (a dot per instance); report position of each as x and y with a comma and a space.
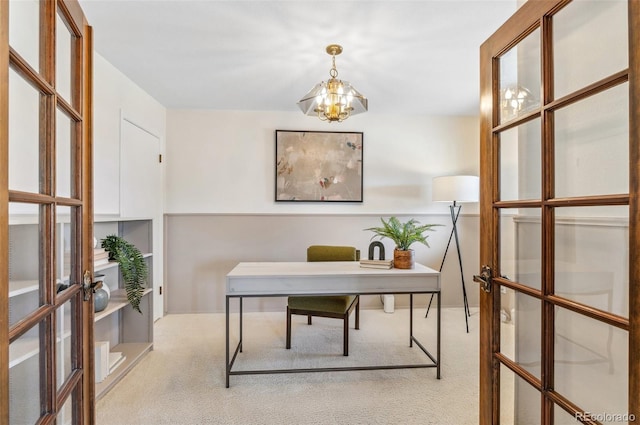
532, 13
4, 209
89, 384
634, 208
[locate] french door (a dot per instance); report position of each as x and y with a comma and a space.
560, 170
46, 215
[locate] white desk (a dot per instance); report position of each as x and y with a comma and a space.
280, 279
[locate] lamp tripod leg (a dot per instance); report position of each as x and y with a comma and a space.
444, 257
454, 218
428, 306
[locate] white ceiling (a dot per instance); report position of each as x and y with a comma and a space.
420, 56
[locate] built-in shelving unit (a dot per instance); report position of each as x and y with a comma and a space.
127, 331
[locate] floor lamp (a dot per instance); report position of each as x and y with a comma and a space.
455, 189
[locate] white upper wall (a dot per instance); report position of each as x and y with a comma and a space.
116, 97
224, 161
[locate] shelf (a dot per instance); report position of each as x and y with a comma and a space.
27, 347
113, 264
19, 219
19, 287
23, 349
121, 294
107, 218
109, 265
133, 353
117, 301
113, 306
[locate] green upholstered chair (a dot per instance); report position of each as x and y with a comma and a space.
338, 307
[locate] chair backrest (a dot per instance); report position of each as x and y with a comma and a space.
331, 253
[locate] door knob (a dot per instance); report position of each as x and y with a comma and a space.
89, 285
484, 278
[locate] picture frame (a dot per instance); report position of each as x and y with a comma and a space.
318, 166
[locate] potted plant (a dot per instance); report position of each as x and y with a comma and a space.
404, 235
132, 267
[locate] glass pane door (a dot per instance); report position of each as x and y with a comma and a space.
46, 205
556, 156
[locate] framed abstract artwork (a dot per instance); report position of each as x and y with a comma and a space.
318, 166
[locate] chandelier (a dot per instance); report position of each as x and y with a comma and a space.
515, 100
334, 100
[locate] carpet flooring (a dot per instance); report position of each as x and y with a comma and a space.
182, 381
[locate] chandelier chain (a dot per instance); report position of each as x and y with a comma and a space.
333, 72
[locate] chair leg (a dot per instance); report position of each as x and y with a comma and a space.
288, 328
309, 319
345, 341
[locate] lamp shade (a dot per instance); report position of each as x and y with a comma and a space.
455, 188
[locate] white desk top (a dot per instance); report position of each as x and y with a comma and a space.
320, 268
332, 277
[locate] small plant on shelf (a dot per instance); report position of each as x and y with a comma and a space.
132, 267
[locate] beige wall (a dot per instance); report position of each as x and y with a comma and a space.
203, 248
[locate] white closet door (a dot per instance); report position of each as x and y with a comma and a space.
140, 174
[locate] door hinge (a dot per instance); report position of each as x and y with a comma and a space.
160, 158
160, 290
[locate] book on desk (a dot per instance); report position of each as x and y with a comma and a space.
377, 264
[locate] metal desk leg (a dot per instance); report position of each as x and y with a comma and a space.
227, 341
241, 325
410, 320
230, 361
438, 336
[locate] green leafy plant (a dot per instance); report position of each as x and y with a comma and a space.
403, 234
132, 267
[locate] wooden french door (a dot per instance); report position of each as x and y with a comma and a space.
560, 247
46, 215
